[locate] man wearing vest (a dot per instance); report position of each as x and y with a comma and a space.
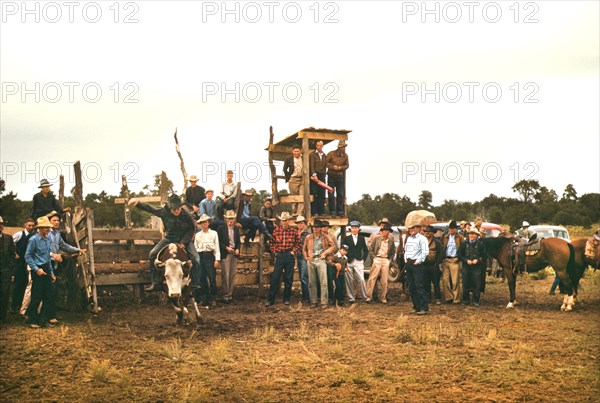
432, 266
21, 274
473, 257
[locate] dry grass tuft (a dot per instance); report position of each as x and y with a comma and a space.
101, 371
175, 351
267, 334
219, 351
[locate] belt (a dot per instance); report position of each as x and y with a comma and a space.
286, 251
206, 253
451, 258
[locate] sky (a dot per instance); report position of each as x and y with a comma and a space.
462, 99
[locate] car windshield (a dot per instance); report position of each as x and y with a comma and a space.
546, 233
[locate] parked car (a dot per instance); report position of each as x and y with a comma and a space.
550, 231
366, 231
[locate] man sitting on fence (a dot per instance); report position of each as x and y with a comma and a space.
179, 228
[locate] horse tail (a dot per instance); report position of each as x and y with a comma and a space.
571, 263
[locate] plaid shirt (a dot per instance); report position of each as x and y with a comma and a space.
285, 240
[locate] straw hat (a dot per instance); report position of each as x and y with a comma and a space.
43, 183
228, 214
43, 222
193, 178
284, 216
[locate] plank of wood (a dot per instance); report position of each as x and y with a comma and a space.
280, 149
123, 278
144, 199
322, 135
293, 199
109, 234
120, 267
121, 253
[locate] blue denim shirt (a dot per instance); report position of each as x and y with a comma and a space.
57, 244
208, 207
38, 253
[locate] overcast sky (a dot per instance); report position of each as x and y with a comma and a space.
461, 99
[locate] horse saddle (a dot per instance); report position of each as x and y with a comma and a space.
533, 245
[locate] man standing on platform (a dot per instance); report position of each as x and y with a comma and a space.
337, 164
292, 169
317, 170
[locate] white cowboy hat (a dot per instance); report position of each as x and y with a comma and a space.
284, 216
203, 218
229, 214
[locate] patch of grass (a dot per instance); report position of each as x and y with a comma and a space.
174, 351
542, 274
378, 373
100, 371
267, 334
218, 351
302, 332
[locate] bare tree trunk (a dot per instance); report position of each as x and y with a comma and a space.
183, 171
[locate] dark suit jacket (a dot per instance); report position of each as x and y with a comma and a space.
223, 233
359, 251
7, 253
288, 167
44, 205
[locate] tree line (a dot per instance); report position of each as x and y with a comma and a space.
535, 203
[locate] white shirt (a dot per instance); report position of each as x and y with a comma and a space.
208, 242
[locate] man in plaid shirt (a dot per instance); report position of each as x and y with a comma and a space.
285, 245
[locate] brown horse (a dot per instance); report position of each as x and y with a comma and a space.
555, 252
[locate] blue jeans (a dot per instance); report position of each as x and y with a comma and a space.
336, 204
303, 274
555, 283
252, 224
416, 286
284, 264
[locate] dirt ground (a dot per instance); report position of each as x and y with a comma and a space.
245, 352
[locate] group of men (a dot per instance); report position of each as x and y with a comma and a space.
34, 258
330, 167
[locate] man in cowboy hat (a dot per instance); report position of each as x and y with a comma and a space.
209, 252
57, 245
179, 228
249, 222
44, 202
473, 256
524, 232
451, 284
37, 258
194, 195
7, 262
357, 254
381, 250
229, 243
317, 248
229, 193
300, 261
285, 245
337, 164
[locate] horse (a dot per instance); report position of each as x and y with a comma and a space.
555, 252
174, 261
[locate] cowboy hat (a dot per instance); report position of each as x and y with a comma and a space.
473, 230
44, 183
174, 202
1, 220
317, 224
453, 224
203, 218
284, 216
193, 178
300, 218
249, 192
209, 190
342, 144
43, 222
229, 214
525, 224
383, 221
387, 227
52, 214
430, 228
